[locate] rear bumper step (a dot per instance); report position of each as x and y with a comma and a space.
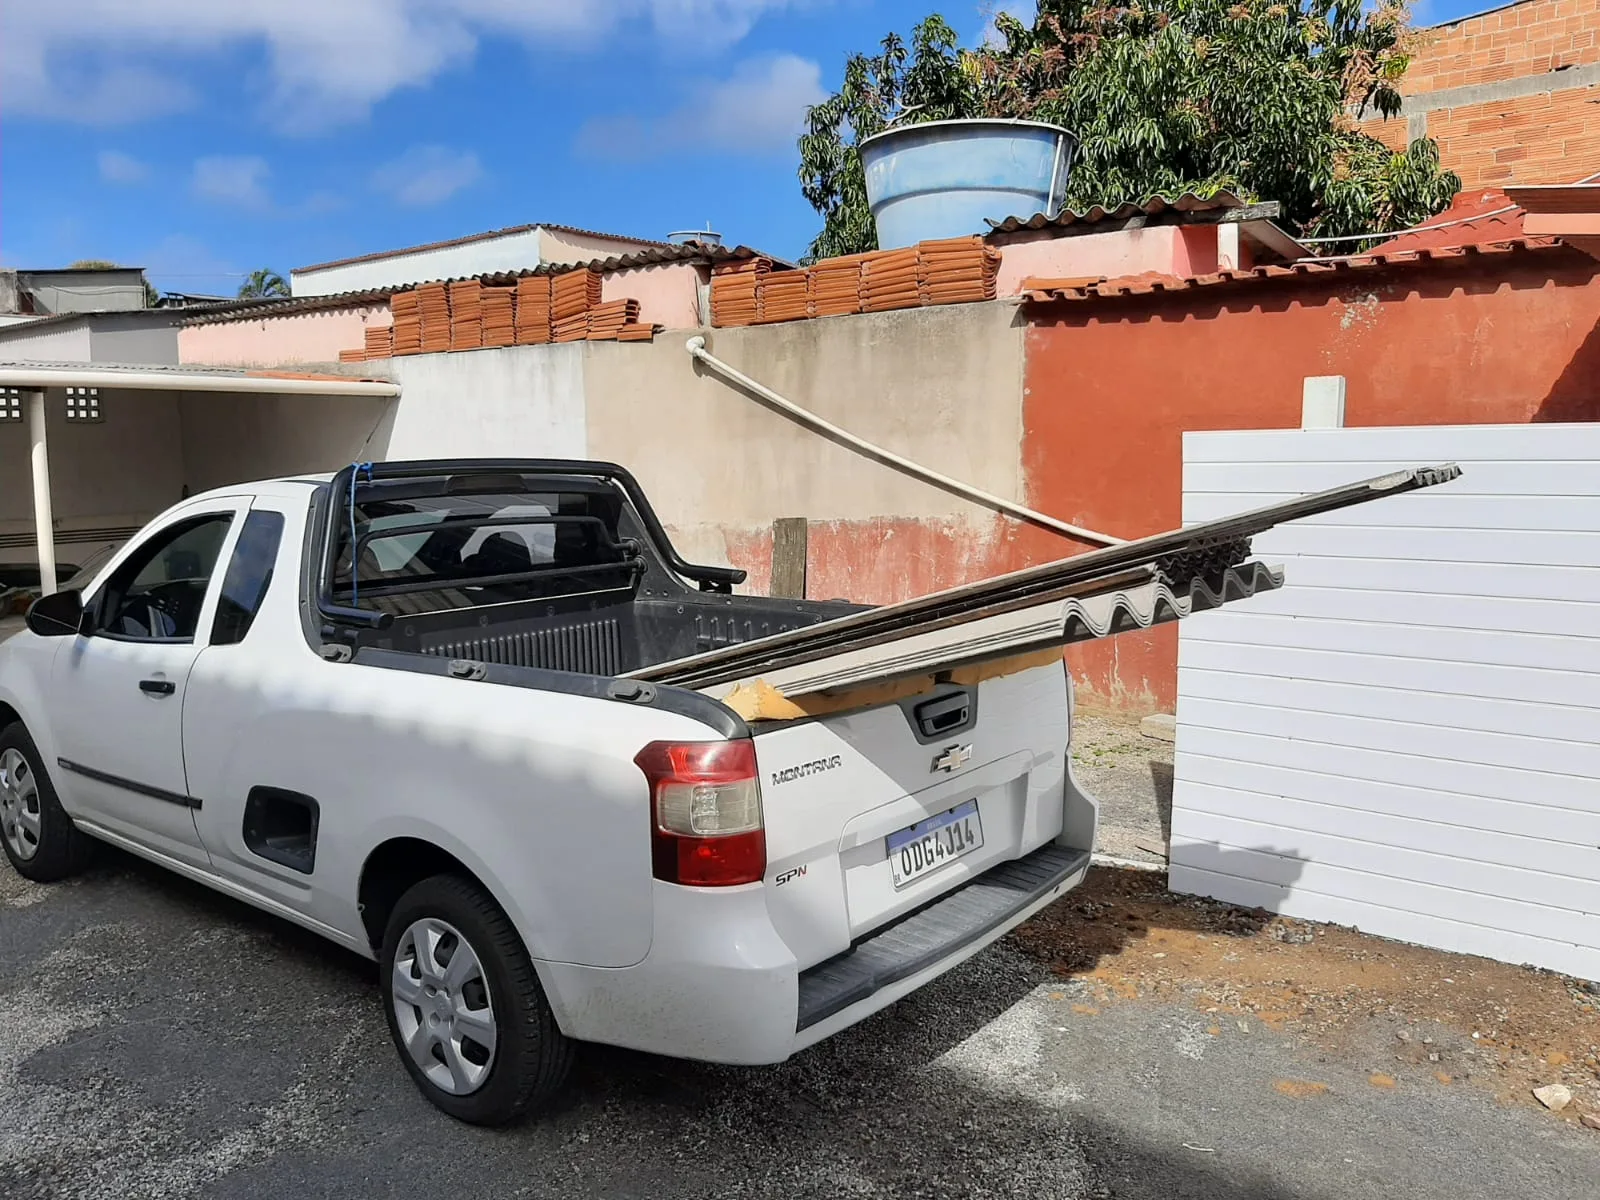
928, 935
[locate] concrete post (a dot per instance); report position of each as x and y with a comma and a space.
1322, 402
1228, 247
44, 524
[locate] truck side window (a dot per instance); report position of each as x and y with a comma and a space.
158, 593
249, 575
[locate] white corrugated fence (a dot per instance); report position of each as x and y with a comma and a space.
1406, 737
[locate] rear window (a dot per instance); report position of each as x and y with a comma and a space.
477, 549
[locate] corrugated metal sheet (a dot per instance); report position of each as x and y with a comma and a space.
1150, 206
487, 236
650, 256
1407, 739
1127, 586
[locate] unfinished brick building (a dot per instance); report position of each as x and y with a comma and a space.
1512, 95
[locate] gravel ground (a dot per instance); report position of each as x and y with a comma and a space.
157, 1040
1131, 776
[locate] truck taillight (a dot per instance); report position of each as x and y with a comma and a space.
705, 812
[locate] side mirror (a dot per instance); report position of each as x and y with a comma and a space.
57, 614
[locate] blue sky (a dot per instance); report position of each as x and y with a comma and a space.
205, 138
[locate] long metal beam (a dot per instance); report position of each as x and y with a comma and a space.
1182, 557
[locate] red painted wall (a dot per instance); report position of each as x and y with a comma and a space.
1112, 384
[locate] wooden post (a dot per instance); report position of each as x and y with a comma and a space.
789, 558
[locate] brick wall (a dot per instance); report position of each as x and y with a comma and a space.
1512, 96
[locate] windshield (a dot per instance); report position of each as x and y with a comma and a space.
91, 567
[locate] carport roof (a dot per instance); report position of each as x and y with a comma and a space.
148, 377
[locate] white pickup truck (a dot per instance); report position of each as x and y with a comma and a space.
469, 757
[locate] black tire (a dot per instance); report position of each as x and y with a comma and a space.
532, 1055
63, 849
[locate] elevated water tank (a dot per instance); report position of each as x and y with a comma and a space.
943, 178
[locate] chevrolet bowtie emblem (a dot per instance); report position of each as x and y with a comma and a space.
953, 758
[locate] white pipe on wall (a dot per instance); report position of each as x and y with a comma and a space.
697, 349
44, 524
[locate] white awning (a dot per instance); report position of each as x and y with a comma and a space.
145, 377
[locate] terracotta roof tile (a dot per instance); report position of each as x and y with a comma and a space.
1040, 290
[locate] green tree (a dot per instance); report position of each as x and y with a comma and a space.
1257, 96
263, 284
102, 264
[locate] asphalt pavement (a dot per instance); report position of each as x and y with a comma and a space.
157, 1040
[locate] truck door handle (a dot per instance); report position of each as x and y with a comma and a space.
157, 687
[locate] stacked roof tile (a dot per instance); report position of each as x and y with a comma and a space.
353, 356
379, 341
466, 315
950, 271
533, 310
785, 296
433, 301
956, 271
889, 280
407, 323
835, 285
736, 290
1041, 290
499, 316
572, 295
638, 333
607, 320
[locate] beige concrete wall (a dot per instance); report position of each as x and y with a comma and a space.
230, 438
942, 386
516, 402
117, 472
668, 293
571, 246
314, 337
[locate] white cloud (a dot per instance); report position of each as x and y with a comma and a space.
427, 175
240, 180
117, 167
328, 61
759, 110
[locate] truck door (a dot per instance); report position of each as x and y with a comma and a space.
118, 688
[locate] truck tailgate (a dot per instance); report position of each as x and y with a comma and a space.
873, 813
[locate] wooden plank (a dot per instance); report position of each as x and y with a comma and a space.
1503, 897
789, 537
1525, 817
1417, 707
1406, 669
1527, 478
1340, 733
1497, 618
1366, 450
1438, 509
1356, 764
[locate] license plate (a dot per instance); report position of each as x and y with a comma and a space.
928, 845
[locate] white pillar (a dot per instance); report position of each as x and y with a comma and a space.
1228, 247
1322, 402
43, 518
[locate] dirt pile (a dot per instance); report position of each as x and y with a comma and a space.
1420, 1015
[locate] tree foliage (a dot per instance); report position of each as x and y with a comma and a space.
1165, 96
263, 284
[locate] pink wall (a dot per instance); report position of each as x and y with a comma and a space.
313, 337
667, 293
1169, 249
